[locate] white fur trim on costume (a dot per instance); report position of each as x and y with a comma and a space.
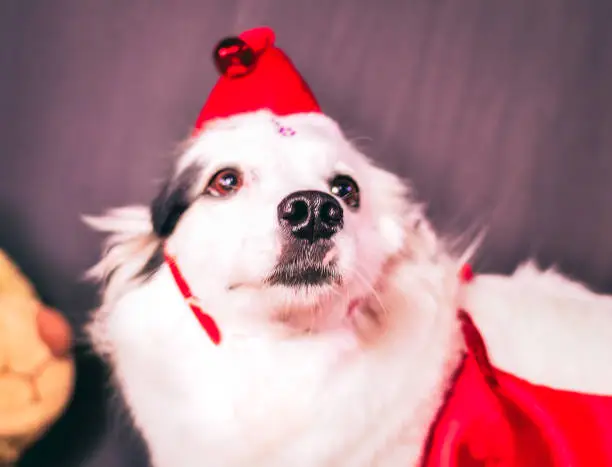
545, 328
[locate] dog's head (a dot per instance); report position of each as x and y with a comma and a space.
281, 214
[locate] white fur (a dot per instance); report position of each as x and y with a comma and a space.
317, 388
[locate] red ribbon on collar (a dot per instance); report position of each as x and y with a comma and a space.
466, 274
205, 320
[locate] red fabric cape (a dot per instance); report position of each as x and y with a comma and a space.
493, 418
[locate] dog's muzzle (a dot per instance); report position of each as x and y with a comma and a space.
309, 220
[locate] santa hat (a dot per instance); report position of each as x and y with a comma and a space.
255, 75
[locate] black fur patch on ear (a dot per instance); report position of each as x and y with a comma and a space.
152, 265
173, 200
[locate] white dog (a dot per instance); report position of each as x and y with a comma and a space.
324, 327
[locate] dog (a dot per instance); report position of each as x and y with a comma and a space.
286, 301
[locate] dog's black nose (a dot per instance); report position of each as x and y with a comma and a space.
310, 215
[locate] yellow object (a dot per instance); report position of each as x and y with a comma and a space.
12, 280
36, 381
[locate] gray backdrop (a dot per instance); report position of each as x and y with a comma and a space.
500, 112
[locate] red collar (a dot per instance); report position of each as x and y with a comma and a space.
205, 320
208, 323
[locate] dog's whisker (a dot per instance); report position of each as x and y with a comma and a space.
374, 293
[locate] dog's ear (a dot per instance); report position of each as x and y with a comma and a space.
174, 198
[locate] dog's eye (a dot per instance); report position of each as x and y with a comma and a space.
345, 188
224, 183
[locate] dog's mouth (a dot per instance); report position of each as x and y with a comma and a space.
304, 264
302, 275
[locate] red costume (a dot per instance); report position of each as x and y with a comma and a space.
492, 418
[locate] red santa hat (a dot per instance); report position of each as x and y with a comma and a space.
255, 75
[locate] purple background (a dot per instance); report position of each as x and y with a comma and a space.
499, 112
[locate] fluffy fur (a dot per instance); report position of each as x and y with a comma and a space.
304, 377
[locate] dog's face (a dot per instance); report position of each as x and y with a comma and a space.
283, 215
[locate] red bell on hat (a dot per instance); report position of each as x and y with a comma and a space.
255, 75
